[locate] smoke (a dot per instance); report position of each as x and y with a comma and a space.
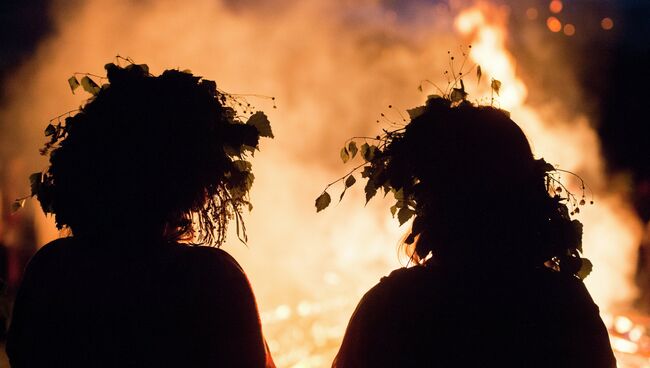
333, 67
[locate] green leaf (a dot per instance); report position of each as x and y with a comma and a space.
404, 214
370, 190
415, 112
242, 165
35, 181
350, 181
585, 268
352, 149
399, 194
89, 85
323, 201
74, 83
457, 95
368, 152
479, 74
393, 210
261, 122
496, 86
17, 205
364, 150
50, 130
345, 156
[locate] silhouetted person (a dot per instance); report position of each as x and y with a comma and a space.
495, 254
145, 163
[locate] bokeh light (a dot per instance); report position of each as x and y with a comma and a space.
554, 24
555, 6
607, 23
532, 13
569, 29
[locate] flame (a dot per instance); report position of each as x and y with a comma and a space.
612, 231
333, 66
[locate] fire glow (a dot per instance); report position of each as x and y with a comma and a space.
333, 68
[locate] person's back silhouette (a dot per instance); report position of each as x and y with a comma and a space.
145, 163
497, 255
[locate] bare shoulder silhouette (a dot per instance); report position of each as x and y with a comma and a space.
496, 254
139, 169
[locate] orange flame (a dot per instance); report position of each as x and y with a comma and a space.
612, 231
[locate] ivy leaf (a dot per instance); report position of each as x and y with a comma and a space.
17, 205
242, 165
367, 172
404, 214
415, 112
74, 83
89, 85
323, 201
352, 149
585, 268
50, 130
364, 150
370, 190
496, 86
399, 194
350, 181
35, 181
261, 122
368, 152
345, 156
479, 74
458, 94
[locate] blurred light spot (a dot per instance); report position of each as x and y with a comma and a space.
283, 312
532, 13
623, 324
555, 6
569, 29
554, 24
469, 20
304, 309
607, 23
636, 333
331, 278
623, 345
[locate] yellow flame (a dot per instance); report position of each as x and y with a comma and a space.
612, 231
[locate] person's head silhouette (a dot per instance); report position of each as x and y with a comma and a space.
478, 196
150, 156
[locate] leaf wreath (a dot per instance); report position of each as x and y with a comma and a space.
240, 128
377, 152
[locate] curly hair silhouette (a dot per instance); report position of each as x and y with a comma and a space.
148, 154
